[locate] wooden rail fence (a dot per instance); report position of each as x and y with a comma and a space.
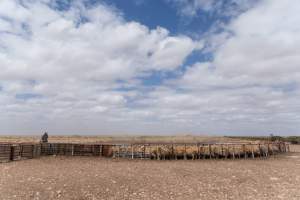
157, 151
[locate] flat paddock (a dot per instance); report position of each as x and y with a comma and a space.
295, 148
85, 178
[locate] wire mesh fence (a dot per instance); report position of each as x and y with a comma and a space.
165, 151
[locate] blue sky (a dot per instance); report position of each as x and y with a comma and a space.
205, 67
165, 14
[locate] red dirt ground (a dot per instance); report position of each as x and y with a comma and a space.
81, 178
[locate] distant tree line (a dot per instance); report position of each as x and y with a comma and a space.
273, 138
293, 139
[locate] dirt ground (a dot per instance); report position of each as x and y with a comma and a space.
295, 148
81, 178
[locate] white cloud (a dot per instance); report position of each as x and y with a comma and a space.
192, 8
55, 46
265, 45
254, 76
74, 72
73, 60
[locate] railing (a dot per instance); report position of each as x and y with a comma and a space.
157, 151
174, 151
12, 152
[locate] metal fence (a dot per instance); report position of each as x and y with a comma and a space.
159, 151
175, 151
12, 152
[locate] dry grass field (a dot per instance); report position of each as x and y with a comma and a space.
118, 139
84, 178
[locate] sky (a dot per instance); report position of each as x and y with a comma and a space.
147, 67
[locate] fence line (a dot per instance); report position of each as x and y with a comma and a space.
157, 151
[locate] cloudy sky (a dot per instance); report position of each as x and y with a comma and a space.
150, 67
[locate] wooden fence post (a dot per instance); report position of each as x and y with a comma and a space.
244, 151
175, 153
32, 151
72, 149
222, 151
226, 151
11, 155
157, 154
233, 151
185, 152
198, 148
132, 156
126, 151
172, 156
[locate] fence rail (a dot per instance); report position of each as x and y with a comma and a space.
157, 151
